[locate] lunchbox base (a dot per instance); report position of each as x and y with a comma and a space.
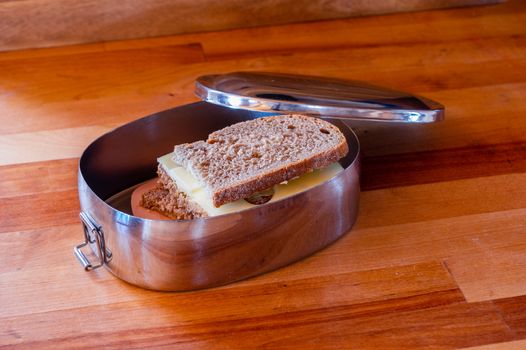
171, 255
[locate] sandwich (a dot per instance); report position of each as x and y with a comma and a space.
241, 166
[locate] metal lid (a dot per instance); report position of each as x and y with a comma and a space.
337, 98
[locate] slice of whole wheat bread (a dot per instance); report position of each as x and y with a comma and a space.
252, 156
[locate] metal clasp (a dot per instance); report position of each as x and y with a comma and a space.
92, 234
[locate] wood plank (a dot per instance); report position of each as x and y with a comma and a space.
95, 20
87, 289
370, 289
388, 324
42, 247
70, 114
490, 273
473, 23
373, 247
91, 75
476, 23
447, 76
496, 267
514, 313
39, 210
442, 165
512, 345
66, 69
39, 146
493, 107
434, 328
38, 177
401, 205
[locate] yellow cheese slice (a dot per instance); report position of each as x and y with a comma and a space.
189, 185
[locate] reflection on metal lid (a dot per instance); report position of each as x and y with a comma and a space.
337, 98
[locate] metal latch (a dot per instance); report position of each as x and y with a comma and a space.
92, 234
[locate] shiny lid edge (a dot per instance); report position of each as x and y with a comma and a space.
206, 92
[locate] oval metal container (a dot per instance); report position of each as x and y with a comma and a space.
176, 255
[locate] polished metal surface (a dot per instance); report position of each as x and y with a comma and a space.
205, 252
341, 99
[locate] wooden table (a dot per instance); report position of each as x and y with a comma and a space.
437, 258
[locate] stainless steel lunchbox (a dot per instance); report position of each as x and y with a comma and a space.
177, 255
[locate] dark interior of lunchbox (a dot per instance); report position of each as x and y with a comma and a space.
128, 155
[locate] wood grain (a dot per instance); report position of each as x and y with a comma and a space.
48, 144
514, 313
449, 164
438, 200
38, 177
376, 282
91, 75
371, 325
512, 345
491, 272
435, 260
47, 209
164, 85
31, 249
359, 295
471, 23
416, 242
25, 24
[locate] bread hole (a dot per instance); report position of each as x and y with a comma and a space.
261, 197
256, 155
205, 163
291, 127
325, 131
